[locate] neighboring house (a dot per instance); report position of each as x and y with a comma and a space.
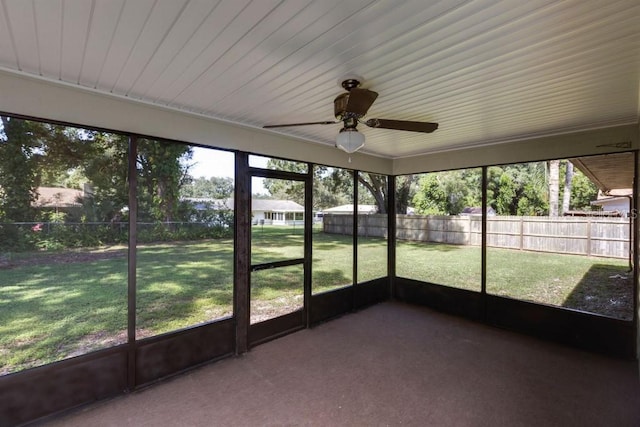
276, 212
348, 210
477, 211
617, 201
263, 211
203, 203
54, 197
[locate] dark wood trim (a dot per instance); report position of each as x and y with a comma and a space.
330, 304
271, 329
242, 253
308, 243
277, 174
370, 292
277, 264
116, 132
354, 228
587, 331
57, 387
132, 260
169, 354
459, 302
483, 241
633, 216
391, 232
62, 123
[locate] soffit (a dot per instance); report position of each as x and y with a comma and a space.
610, 172
486, 71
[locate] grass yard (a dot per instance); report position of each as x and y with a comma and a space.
183, 284
598, 285
57, 305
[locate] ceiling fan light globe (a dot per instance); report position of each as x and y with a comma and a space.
350, 140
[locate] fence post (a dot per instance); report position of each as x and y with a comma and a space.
521, 233
588, 236
427, 230
366, 225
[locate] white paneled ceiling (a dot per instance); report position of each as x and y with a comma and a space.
486, 71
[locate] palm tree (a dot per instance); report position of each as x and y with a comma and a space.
554, 186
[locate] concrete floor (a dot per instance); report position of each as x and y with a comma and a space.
391, 364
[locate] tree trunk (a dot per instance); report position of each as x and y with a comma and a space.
554, 186
568, 181
403, 192
378, 189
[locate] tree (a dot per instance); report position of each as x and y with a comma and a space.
210, 188
286, 189
554, 186
568, 181
18, 169
506, 195
449, 192
329, 192
24, 146
334, 186
377, 188
105, 165
431, 197
583, 192
404, 192
162, 170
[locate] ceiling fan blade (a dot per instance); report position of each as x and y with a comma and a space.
299, 124
360, 100
425, 127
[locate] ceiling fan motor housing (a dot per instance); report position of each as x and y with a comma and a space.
340, 105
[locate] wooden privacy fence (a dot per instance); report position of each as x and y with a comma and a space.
591, 236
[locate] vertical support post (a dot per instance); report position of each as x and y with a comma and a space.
634, 243
355, 228
631, 239
483, 275
242, 253
391, 234
308, 242
132, 267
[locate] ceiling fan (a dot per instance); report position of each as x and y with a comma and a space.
350, 108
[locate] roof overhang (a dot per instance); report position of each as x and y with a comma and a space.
611, 173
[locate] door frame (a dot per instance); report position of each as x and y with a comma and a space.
248, 335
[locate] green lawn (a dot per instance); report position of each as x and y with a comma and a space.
54, 306
597, 285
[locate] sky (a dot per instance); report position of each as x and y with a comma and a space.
208, 163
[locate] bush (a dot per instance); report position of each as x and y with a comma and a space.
15, 238
55, 235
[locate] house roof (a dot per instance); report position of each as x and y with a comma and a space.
362, 209
607, 200
487, 72
275, 205
256, 204
58, 197
477, 210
